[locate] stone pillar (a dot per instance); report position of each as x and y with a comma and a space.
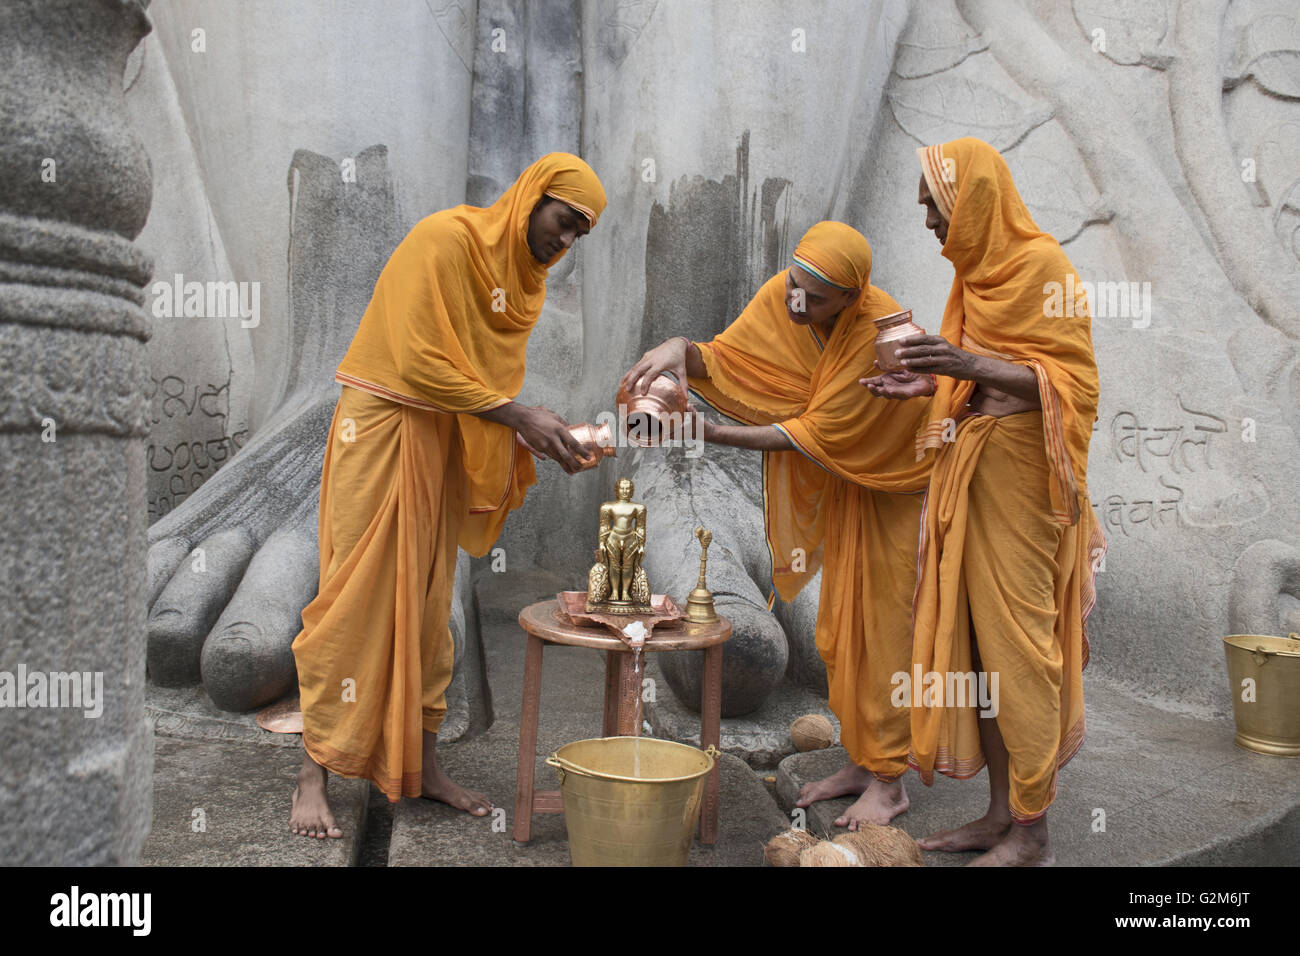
75, 189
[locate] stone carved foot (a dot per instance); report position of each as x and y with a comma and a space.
231, 569
716, 491
1265, 590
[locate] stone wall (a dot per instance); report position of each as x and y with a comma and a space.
1155, 140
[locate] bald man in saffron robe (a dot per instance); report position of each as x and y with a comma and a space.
423, 458
841, 486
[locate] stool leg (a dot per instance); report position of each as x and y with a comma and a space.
711, 733
527, 766
629, 690
609, 726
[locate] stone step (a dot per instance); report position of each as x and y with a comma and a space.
243, 789
188, 712
1170, 789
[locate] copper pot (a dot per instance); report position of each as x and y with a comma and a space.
657, 416
890, 331
601, 437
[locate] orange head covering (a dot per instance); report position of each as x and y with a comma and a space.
837, 254
499, 247
447, 327
1001, 304
765, 369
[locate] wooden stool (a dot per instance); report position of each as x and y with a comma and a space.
545, 624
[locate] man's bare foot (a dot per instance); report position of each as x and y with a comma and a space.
1022, 846
436, 785
879, 804
851, 780
982, 834
310, 814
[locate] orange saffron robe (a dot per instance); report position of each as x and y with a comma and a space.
410, 473
847, 499
1009, 542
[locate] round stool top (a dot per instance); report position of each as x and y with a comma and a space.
545, 620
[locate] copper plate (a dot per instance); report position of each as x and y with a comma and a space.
282, 717
573, 605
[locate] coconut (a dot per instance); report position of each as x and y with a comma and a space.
882, 846
829, 854
784, 848
861, 845
811, 732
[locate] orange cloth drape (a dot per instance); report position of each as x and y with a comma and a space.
1008, 535
765, 369
375, 654
847, 500
409, 473
447, 328
1006, 267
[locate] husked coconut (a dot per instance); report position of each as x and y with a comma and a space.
784, 848
882, 846
811, 732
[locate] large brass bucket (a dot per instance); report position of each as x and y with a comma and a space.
631, 801
1264, 673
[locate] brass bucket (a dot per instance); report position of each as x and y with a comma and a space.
1269, 724
631, 801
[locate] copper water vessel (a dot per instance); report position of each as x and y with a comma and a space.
659, 415
600, 437
890, 331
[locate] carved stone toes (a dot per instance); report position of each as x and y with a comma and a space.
189, 604
753, 661
1265, 589
247, 659
165, 558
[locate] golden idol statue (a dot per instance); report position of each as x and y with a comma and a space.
617, 582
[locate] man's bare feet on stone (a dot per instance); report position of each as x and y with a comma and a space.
436, 785
982, 834
310, 814
852, 780
881, 802
1022, 846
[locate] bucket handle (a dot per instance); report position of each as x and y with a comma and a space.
563, 767
1261, 656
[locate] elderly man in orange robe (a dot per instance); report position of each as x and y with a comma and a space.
422, 457
1009, 542
841, 486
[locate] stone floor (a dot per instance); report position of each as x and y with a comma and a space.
227, 766
1149, 787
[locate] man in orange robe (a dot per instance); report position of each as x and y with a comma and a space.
1010, 543
840, 481
422, 458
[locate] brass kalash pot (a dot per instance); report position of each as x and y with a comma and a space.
1264, 674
